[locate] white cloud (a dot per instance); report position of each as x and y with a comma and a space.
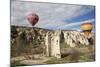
71, 25
50, 15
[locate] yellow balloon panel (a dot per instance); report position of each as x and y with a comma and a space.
86, 27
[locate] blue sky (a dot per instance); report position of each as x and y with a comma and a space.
87, 16
53, 16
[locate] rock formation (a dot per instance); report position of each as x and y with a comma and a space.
45, 41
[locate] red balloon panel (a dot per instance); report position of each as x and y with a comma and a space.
32, 18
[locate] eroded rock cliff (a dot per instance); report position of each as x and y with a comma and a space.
33, 40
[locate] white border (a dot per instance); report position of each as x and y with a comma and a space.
85, 2
4, 33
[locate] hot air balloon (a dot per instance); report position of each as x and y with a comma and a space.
87, 28
32, 18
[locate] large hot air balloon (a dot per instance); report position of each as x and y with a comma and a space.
32, 18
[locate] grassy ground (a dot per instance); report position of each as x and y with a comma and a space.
64, 45
69, 59
70, 55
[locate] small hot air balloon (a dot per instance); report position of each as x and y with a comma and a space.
32, 18
87, 28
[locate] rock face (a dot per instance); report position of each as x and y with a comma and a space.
76, 38
28, 40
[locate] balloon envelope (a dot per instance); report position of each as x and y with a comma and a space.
32, 18
86, 26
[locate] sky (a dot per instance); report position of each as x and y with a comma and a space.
53, 16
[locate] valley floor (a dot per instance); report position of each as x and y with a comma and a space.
69, 55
